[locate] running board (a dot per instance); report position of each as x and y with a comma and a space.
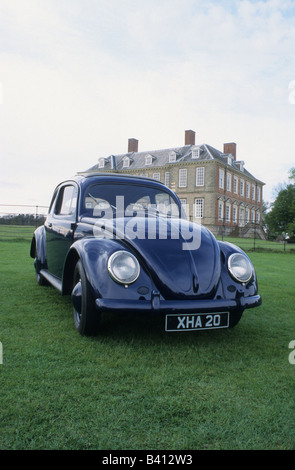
53, 280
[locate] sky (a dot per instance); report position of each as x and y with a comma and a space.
78, 78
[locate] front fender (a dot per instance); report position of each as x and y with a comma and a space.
233, 289
94, 254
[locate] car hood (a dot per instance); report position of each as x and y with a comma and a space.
182, 258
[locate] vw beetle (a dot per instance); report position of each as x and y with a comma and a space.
119, 243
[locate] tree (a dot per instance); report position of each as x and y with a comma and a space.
281, 219
292, 174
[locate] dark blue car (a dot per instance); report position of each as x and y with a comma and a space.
119, 243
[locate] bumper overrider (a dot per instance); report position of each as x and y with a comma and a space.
194, 308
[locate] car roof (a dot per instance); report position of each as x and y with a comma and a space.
117, 177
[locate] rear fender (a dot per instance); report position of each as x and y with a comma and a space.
38, 245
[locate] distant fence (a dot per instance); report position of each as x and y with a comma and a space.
18, 222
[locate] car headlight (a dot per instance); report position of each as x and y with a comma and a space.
240, 267
123, 267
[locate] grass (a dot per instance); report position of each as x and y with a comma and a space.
135, 387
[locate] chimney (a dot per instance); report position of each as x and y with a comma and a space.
230, 147
189, 137
132, 145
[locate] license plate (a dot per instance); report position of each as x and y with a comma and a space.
201, 321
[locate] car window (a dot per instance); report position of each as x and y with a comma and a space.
104, 200
67, 201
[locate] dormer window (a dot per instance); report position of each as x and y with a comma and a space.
148, 159
101, 162
126, 162
172, 157
230, 159
196, 152
240, 165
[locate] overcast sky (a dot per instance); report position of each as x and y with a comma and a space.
80, 77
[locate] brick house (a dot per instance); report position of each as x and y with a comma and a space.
214, 187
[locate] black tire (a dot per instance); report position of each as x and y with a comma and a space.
86, 317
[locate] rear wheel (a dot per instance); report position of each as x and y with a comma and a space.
86, 317
40, 279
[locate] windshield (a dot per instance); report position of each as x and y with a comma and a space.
109, 200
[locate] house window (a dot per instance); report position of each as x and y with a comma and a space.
200, 176
253, 192
167, 179
247, 190
258, 194
235, 213
220, 210
156, 176
247, 216
242, 187
235, 185
101, 163
172, 157
221, 178
257, 217
227, 212
196, 153
228, 182
199, 208
126, 162
183, 205
241, 217
148, 160
182, 182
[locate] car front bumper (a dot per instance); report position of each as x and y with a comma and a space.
159, 306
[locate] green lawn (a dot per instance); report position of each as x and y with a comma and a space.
135, 387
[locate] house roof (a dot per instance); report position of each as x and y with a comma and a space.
160, 158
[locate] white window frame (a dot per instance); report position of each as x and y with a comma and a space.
257, 217
148, 160
247, 216
221, 178
196, 153
227, 212
200, 176
242, 187
167, 179
228, 182
235, 184
220, 210
101, 163
199, 208
253, 192
157, 176
182, 178
184, 206
172, 157
241, 217
247, 190
126, 162
258, 193
235, 213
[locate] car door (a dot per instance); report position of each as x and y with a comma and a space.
59, 226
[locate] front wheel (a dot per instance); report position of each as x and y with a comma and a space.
86, 317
